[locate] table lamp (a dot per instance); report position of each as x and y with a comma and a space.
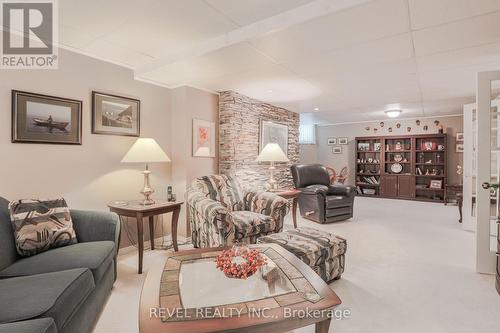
146, 150
272, 152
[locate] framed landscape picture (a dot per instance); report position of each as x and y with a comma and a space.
332, 141
40, 118
273, 132
203, 138
115, 115
343, 141
337, 150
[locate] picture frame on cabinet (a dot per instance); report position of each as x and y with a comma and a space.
428, 145
363, 146
436, 184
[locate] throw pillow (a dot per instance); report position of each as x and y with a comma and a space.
40, 225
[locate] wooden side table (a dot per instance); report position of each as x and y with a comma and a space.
135, 208
292, 194
451, 191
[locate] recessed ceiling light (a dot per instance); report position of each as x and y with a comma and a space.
393, 113
316, 109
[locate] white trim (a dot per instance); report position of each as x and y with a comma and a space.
153, 82
137, 78
196, 87
390, 119
485, 258
469, 186
84, 53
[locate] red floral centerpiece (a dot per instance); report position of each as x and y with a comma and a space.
239, 262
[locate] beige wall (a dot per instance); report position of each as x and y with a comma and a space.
189, 104
451, 124
91, 175
308, 154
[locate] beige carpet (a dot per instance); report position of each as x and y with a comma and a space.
409, 268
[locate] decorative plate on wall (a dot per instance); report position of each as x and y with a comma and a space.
396, 168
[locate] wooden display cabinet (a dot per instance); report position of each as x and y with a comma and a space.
405, 167
368, 161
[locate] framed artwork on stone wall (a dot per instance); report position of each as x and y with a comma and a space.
203, 138
275, 133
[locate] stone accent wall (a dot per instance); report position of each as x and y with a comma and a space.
239, 136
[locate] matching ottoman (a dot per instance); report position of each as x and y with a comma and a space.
322, 251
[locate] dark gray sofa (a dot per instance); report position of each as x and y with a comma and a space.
319, 201
63, 289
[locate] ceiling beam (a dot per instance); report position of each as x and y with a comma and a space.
275, 23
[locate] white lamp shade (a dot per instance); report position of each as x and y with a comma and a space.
272, 152
145, 150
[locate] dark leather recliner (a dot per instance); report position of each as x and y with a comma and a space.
320, 201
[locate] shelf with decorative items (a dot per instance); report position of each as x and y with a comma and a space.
430, 167
368, 162
397, 151
409, 167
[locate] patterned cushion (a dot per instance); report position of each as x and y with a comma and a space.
320, 250
247, 223
40, 225
224, 189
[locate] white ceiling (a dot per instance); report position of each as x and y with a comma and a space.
350, 58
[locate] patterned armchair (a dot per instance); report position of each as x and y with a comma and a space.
221, 212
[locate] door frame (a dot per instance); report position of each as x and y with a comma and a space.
469, 186
485, 258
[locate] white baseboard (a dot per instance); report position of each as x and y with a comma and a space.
147, 245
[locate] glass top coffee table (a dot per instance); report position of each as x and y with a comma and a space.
187, 293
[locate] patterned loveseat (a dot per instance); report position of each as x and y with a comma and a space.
221, 212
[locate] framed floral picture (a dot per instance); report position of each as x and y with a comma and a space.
203, 138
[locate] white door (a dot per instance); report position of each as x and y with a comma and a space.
488, 150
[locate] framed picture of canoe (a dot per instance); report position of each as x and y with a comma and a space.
115, 115
47, 119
